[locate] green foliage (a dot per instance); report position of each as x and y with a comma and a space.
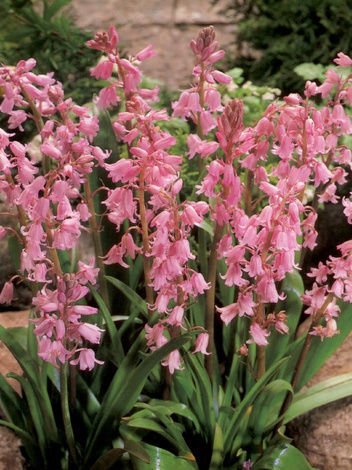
288, 33
40, 30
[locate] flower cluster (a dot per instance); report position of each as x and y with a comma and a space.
51, 206
253, 191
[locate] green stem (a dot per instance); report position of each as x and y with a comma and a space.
66, 413
93, 224
146, 247
210, 299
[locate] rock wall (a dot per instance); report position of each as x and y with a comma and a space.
167, 24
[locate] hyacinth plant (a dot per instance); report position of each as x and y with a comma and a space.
190, 352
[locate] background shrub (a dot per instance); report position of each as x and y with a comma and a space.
288, 33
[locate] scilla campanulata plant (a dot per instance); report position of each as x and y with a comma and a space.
251, 191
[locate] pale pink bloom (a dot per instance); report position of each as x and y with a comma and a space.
129, 246
221, 77
345, 247
51, 351
87, 272
86, 359
347, 203
281, 327
343, 60
198, 283
155, 336
228, 313
233, 276
102, 70
255, 267
213, 100
181, 250
320, 273
202, 147
207, 121
50, 149
119, 170
6, 295
31, 191
266, 290
173, 361
26, 171
39, 273
146, 53
16, 119
332, 77
107, 98
258, 334
44, 325
190, 216
89, 126
246, 304
83, 211
90, 332
74, 312
202, 344
176, 316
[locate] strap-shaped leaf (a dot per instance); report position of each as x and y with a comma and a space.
282, 457
324, 392
234, 423
123, 392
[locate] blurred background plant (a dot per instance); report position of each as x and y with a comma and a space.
287, 33
42, 29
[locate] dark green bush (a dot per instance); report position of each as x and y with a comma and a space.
41, 30
288, 33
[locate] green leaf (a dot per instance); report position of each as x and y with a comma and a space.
123, 392
272, 394
282, 457
320, 351
130, 294
110, 326
203, 387
31, 371
12, 405
35, 413
50, 9
310, 71
161, 459
320, 394
107, 460
234, 424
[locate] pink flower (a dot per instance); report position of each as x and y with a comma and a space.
52, 351
107, 98
258, 335
221, 77
89, 127
202, 343
173, 361
343, 60
228, 313
6, 295
102, 70
86, 359
90, 332
146, 53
